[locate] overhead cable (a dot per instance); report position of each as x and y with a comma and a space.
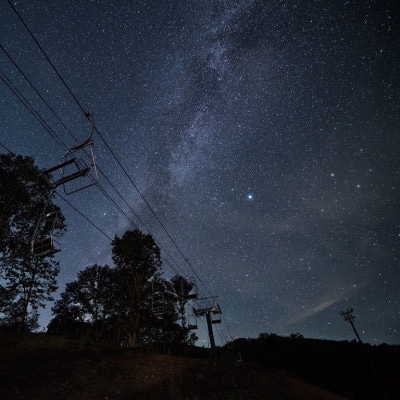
106, 144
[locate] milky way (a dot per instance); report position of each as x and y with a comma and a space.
263, 134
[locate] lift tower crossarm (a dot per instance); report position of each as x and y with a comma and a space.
209, 307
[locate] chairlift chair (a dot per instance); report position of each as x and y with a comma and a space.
193, 294
157, 302
43, 243
192, 322
216, 320
216, 311
45, 246
157, 308
78, 162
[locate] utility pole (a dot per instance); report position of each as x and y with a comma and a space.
209, 308
349, 317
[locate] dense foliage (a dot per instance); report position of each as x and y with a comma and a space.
130, 304
27, 280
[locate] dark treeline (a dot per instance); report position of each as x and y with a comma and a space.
130, 304
355, 370
28, 220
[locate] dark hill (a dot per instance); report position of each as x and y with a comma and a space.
44, 367
354, 370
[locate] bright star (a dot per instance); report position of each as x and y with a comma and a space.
250, 196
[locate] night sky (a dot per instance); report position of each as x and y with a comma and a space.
264, 135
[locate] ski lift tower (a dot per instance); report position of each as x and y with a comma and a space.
212, 311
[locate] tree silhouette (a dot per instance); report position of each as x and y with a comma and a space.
28, 281
87, 303
137, 266
130, 304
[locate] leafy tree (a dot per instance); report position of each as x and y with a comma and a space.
131, 303
296, 336
68, 319
87, 302
163, 329
158, 313
29, 284
138, 267
28, 281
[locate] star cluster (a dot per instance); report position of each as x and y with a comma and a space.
263, 134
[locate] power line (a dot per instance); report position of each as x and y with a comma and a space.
151, 209
31, 109
41, 120
134, 225
99, 229
106, 144
70, 204
46, 56
5, 148
62, 123
35, 89
84, 216
87, 219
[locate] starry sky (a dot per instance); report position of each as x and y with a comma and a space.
263, 135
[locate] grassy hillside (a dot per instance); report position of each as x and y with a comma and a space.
45, 367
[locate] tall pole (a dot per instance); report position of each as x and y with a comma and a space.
349, 317
209, 307
211, 334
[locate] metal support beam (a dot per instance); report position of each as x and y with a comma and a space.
211, 335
